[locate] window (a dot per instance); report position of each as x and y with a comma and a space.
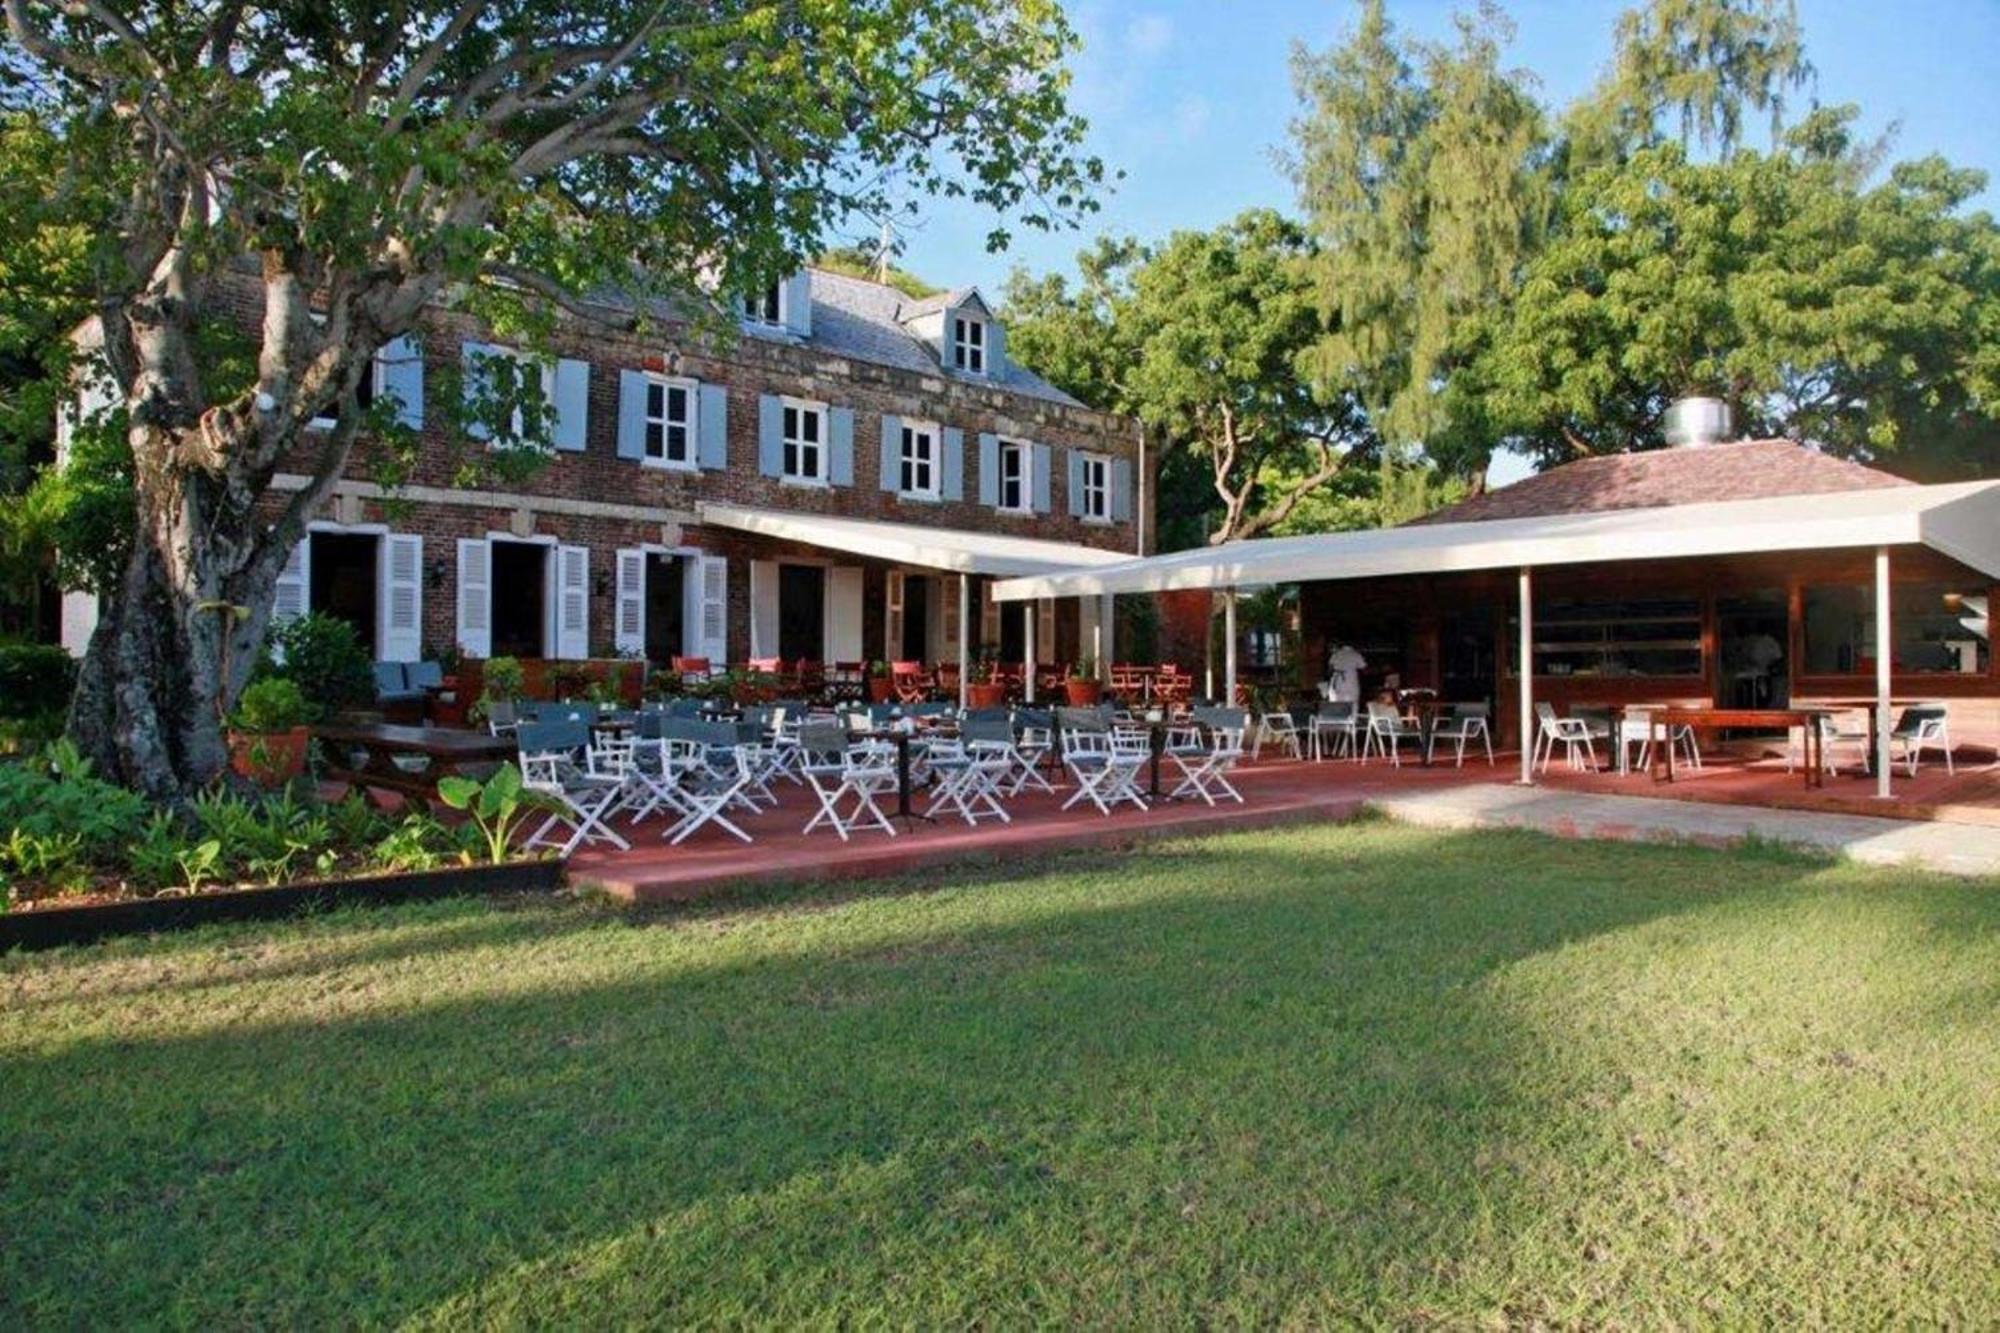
919, 460
1615, 638
968, 344
669, 433
1934, 628
485, 378
1096, 488
1016, 490
804, 437
766, 306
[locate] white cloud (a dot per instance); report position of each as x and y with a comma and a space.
1191, 116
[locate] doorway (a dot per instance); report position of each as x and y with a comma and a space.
344, 580
916, 644
801, 612
666, 579
1751, 633
1468, 665
520, 599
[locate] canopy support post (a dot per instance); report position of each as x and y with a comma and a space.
1029, 616
964, 640
1884, 647
1107, 632
1527, 677
1229, 647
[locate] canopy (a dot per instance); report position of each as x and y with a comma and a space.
952, 549
1961, 520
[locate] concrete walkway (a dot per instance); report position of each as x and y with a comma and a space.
1957, 849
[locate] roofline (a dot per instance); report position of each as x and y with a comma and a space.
1960, 520
954, 550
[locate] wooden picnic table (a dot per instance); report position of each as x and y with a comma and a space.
1660, 724
364, 755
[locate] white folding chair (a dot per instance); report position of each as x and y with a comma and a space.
1461, 726
837, 772
969, 774
711, 788
1105, 775
1205, 768
582, 796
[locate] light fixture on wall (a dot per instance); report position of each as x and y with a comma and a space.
673, 360
434, 575
600, 585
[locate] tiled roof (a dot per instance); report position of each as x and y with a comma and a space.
1749, 470
862, 319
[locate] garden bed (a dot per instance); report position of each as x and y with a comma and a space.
44, 927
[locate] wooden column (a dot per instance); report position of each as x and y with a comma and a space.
1527, 676
1030, 614
1229, 648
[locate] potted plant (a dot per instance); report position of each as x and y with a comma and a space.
982, 690
880, 686
501, 683
267, 733
1083, 687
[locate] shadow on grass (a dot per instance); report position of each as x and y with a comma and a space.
1245, 1079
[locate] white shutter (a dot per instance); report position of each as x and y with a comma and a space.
475, 597
629, 630
573, 602
989, 617
1045, 631
944, 600
400, 598
843, 614
763, 608
294, 584
705, 606
892, 617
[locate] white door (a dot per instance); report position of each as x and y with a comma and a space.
763, 608
1045, 631
892, 618
989, 618
572, 622
399, 598
294, 583
843, 614
475, 597
705, 609
629, 629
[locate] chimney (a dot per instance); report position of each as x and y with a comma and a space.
1693, 422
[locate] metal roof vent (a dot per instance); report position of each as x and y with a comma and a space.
1697, 421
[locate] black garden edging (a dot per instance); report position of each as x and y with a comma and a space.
45, 928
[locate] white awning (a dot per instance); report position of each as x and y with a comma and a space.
1961, 520
952, 549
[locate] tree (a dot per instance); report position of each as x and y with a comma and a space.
1420, 172
1201, 339
369, 160
1818, 309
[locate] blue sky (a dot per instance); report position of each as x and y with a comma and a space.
1192, 100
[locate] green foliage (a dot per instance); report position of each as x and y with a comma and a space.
34, 677
503, 680
54, 861
271, 704
55, 796
417, 842
323, 656
858, 262
153, 859
495, 806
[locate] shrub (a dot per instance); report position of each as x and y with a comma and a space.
53, 861
496, 806
35, 679
271, 704
54, 795
323, 656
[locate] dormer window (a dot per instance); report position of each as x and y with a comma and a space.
968, 344
766, 305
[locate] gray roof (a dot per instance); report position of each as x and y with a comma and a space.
865, 320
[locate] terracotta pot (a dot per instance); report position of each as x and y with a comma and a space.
271, 758
1084, 693
880, 688
991, 695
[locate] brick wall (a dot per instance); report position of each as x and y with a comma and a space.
657, 505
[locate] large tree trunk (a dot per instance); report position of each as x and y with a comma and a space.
176, 643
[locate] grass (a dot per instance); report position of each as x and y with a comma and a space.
1338, 1075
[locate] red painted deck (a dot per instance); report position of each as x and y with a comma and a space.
1275, 792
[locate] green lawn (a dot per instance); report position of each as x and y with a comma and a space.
1364, 1074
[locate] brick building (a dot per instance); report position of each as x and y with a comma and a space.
813, 488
